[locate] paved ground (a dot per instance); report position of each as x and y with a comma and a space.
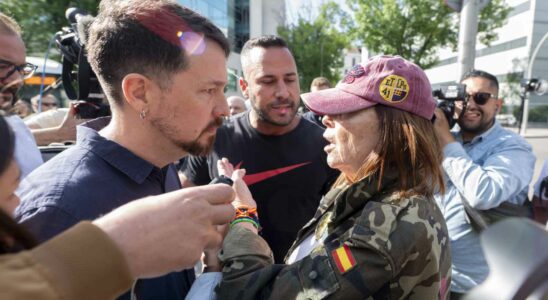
538, 138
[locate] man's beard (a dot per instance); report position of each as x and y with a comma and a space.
7, 97
195, 147
481, 127
263, 113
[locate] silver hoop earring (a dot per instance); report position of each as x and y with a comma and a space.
143, 114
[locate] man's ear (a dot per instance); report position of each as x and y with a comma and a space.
499, 105
244, 87
135, 88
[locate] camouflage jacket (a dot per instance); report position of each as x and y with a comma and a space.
373, 245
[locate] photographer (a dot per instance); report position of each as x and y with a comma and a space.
484, 164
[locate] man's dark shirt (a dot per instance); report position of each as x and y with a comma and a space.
89, 180
286, 174
314, 118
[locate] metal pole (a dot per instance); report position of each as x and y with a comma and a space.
467, 36
529, 74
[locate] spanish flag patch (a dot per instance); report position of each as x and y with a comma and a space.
343, 258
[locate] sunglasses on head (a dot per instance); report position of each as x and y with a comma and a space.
481, 98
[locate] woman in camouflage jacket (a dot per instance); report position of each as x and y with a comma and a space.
378, 234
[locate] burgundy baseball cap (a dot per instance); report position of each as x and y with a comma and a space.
386, 80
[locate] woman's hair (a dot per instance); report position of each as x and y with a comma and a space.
12, 235
408, 145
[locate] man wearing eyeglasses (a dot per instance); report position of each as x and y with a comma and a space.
13, 70
486, 165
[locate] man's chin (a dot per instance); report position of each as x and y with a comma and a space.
473, 128
468, 128
281, 122
197, 148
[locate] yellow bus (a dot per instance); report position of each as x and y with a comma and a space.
52, 79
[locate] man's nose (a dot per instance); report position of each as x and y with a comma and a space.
222, 109
281, 90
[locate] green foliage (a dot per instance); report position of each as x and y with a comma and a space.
518, 112
41, 19
493, 16
417, 29
318, 44
538, 114
513, 79
504, 109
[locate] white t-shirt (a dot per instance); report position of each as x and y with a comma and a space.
26, 154
304, 249
47, 119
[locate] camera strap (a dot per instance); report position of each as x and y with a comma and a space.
84, 71
481, 219
477, 221
67, 79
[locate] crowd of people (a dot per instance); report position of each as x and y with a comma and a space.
368, 194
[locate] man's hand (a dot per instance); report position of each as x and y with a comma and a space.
441, 126
64, 132
160, 234
67, 130
210, 258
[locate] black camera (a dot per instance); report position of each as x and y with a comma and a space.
449, 95
79, 81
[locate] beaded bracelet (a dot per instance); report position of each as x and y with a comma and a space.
245, 220
246, 211
246, 214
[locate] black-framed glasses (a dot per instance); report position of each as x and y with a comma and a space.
26, 70
482, 97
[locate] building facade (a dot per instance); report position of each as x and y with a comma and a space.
240, 20
507, 57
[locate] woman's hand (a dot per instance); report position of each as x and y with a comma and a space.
243, 195
224, 167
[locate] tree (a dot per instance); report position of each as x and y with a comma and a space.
41, 19
539, 114
317, 45
511, 89
417, 29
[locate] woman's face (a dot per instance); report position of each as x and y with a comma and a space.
9, 181
352, 137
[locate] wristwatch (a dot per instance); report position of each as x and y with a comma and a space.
222, 179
